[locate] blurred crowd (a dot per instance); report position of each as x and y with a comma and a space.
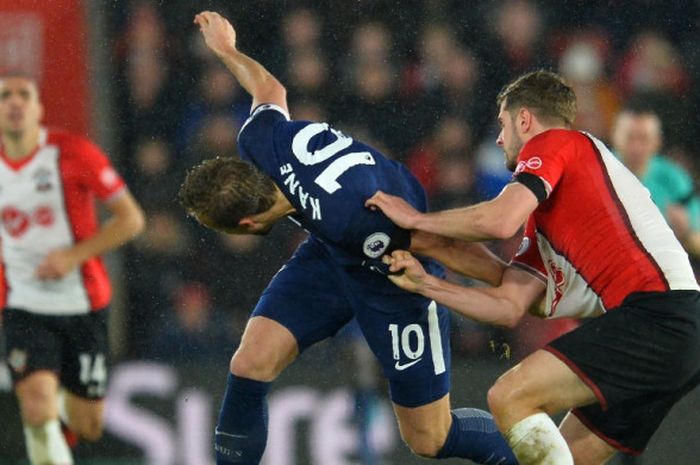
415, 78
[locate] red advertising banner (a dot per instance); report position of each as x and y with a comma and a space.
47, 40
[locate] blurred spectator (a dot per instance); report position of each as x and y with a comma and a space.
301, 30
371, 44
650, 64
370, 106
219, 95
305, 69
583, 65
517, 39
637, 138
445, 81
518, 29
442, 163
651, 69
436, 45
193, 331
215, 136
307, 75
142, 54
154, 178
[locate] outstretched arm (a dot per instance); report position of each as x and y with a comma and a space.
469, 259
504, 305
499, 218
220, 37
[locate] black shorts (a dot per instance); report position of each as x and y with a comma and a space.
639, 359
75, 347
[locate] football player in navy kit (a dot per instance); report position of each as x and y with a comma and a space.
320, 178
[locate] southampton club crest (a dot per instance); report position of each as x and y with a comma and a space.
17, 360
376, 244
42, 177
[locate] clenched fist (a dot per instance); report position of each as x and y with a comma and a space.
218, 33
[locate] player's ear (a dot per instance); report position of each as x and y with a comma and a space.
246, 222
524, 119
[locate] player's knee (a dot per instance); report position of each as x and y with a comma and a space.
256, 366
37, 407
35, 414
424, 444
89, 426
423, 440
501, 398
92, 431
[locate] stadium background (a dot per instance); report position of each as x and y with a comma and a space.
416, 78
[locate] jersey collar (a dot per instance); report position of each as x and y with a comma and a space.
17, 165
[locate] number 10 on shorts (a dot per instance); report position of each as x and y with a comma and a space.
410, 341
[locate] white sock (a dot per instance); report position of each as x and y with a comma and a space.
536, 440
46, 444
61, 402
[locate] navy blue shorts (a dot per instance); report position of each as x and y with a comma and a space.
313, 296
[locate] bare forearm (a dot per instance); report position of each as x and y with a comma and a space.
499, 218
252, 76
467, 224
113, 233
469, 259
479, 304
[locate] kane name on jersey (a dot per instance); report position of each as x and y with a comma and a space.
327, 176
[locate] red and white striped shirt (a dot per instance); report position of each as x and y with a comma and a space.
598, 237
47, 202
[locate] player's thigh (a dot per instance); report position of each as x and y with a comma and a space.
85, 361
36, 394
586, 447
267, 347
541, 382
85, 416
304, 300
34, 356
413, 349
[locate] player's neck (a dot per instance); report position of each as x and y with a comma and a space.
17, 147
282, 206
537, 129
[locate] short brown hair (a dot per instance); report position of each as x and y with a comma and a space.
544, 93
225, 190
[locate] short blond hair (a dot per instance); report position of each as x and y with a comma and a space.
544, 93
226, 190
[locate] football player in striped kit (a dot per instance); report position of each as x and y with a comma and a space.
55, 289
595, 247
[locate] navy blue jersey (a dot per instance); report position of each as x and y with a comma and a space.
327, 176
